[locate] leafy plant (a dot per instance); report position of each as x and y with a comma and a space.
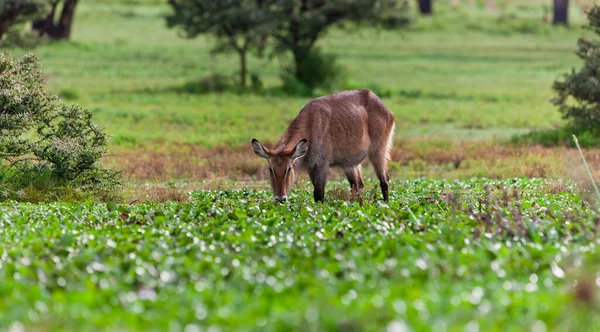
39, 133
445, 254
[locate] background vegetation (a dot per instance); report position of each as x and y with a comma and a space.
454, 69
466, 73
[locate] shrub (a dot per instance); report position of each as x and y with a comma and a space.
39, 134
211, 83
256, 83
294, 87
578, 92
314, 71
69, 94
562, 136
22, 37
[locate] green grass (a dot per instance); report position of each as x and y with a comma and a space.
501, 255
463, 74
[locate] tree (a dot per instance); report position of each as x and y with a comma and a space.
578, 92
13, 12
425, 7
60, 29
238, 25
298, 24
561, 12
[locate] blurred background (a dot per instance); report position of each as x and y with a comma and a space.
182, 86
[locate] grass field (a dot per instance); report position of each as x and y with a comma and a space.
458, 80
481, 233
464, 75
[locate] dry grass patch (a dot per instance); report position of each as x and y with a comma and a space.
219, 166
489, 159
189, 162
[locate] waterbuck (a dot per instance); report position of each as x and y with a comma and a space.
335, 130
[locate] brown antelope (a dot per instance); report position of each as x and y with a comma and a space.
335, 130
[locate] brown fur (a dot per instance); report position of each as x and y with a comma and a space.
341, 130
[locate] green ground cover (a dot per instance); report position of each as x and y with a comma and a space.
443, 255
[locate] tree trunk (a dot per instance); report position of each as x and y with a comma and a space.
243, 67
66, 19
425, 7
61, 29
45, 26
298, 55
561, 12
5, 24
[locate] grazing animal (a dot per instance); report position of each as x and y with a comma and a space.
340, 129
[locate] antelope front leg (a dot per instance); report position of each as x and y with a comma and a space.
318, 177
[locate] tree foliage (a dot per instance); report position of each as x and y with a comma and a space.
578, 92
300, 23
39, 133
292, 25
238, 25
13, 12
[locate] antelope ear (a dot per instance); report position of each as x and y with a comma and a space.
300, 149
259, 149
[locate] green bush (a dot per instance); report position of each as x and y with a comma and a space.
256, 84
562, 136
19, 36
39, 134
294, 87
220, 83
211, 83
510, 24
69, 94
314, 71
578, 92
